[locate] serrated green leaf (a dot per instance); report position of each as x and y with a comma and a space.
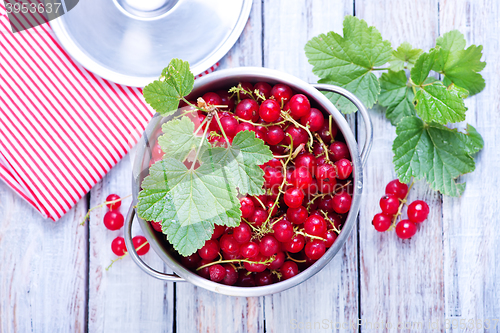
431, 151
441, 104
241, 162
188, 202
403, 56
347, 61
473, 140
178, 139
396, 96
460, 65
176, 81
423, 66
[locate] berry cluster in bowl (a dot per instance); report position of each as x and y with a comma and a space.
308, 185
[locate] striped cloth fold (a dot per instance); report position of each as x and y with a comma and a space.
62, 128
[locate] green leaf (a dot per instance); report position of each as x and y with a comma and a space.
405, 55
423, 66
396, 95
176, 81
188, 202
348, 61
473, 140
460, 65
178, 139
431, 151
436, 102
241, 162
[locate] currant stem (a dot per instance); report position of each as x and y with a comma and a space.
330, 121
126, 253
101, 205
325, 148
293, 259
201, 142
222, 130
288, 117
331, 222
310, 236
229, 261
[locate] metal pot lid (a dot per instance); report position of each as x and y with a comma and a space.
131, 41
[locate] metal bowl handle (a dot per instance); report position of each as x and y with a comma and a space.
135, 257
362, 109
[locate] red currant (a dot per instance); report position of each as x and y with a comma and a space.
297, 215
231, 275
418, 211
247, 109
278, 261
269, 110
255, 266
247, 207
113, 220
382, 222
263, 278
389, 204
218, 231
325, 204
299, 106
249, 250
138, 241
192, 261
263, 88
344, 168
342, 202
245, 127
339, 151
209, 251
281, 93
212, 98
301, 178
297, 134
405, 229
156, 226
270, 205
217, 272
113, 197
272, 177
315, 249
156, 153
294, 197
225, 99
325, 134
274, 135
228, 244
315, 225
229, 125
296, 244
397, 188
314, 120
283, 230
118, 246
307, 161
204, 272
246, 86
244, 279
242, 233
331, 237
289, 270
269, 246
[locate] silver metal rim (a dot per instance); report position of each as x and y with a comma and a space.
61, 33
230, 76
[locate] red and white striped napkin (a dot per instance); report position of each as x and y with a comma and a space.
62, 128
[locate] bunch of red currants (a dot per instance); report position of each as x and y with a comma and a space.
392, 203
113, 220
308, 185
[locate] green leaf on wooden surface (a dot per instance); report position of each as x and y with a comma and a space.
423, 66
434, 152
404, 56
396, 95
348, 60
441, 104
459, 65
175, 82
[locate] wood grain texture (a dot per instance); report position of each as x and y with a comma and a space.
199, 310
330, 297
471, 236
123, 299
42, 268
401, 281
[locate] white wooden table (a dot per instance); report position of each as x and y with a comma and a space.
53, 277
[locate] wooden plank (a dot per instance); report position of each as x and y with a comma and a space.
42, 268
329, 298
199, 310
123, 298
470, 223
401, 281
